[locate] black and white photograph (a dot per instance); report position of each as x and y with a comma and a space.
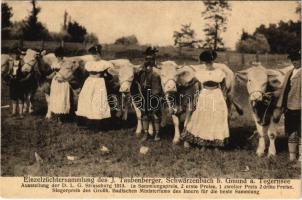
160, 89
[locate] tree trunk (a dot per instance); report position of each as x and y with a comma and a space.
216, 35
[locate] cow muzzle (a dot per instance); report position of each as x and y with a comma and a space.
125, 87
170, 86
256, 96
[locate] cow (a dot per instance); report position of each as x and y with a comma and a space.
263, 88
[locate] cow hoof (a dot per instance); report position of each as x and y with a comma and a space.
187, 145
156, 138
30, 111
260, 154
175, 141
137, 134
271, 155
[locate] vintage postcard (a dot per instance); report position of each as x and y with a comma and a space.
151, 99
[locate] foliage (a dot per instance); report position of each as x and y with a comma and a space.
185, 37
33, 29
127, 40
91, 38
6, 14
282, 37
59, 36
76, 31
253, 44
215, 15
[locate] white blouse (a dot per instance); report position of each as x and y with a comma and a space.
215, 75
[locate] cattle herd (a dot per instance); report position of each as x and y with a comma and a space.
175, 79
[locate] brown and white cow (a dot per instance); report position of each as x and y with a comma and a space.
263, 89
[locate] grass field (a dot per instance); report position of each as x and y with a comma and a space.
56, 142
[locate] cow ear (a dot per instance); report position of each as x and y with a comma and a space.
43, 53
272, 73
285, 69
113, 71
184, 75
242, 75
137, 68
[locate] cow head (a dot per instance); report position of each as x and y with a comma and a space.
124, 70
168, 75
257, 79
31, 58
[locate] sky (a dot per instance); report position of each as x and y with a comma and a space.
153, 22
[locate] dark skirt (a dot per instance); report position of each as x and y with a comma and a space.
292, 122
192, 139
16, 90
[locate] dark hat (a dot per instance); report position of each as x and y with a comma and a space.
59, 52
208, 56
294, 55
95, 49
151, 51
19, 51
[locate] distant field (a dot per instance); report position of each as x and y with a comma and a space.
135, 53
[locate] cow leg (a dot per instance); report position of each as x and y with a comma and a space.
261, 144
156, 121
187, 144
25, 104
272, 133
30, 106
163, 118
176, 138
139, 120
48, 114
150, 129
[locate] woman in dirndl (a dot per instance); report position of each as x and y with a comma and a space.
208, 125
59, 99
93, 103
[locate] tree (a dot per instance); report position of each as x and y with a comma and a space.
76, 31
6, 14
282, 37
16, 30
33, 29
91, 38
253, 44
185, 37
216, 16
127, 40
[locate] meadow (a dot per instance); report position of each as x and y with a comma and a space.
54, 142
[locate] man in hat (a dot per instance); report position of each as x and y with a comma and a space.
289, 103
148, 87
